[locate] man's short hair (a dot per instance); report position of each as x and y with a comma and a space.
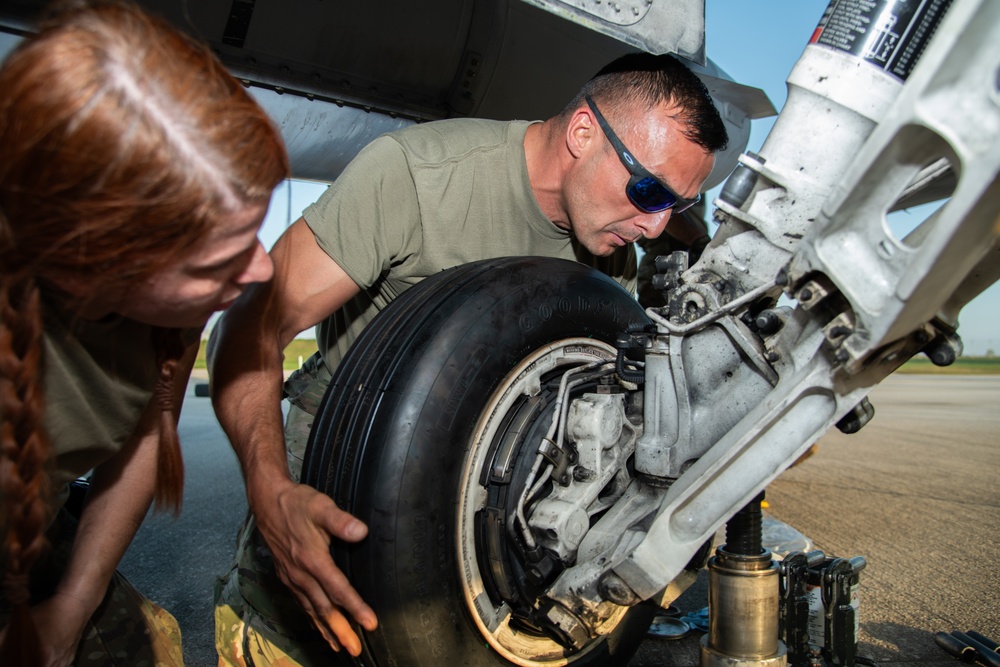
643, 80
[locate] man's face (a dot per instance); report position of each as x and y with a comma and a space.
601, 215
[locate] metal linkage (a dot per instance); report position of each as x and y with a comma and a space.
820, 609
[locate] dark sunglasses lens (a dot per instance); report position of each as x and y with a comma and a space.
649, 195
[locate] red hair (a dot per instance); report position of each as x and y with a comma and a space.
123, 142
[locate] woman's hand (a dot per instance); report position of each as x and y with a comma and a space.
60, 621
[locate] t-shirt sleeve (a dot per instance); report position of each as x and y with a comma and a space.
368, 220
621, 265
625, 268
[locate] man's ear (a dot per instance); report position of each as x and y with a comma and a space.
581, 132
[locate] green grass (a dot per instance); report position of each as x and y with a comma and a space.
303, 347
963, 366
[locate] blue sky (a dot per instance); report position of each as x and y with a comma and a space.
756, 42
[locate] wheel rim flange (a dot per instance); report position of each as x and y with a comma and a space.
493, 622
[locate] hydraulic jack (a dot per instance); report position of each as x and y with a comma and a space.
802, 612
743, 598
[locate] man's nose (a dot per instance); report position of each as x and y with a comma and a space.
652, 224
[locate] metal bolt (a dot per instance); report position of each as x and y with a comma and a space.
767, 322
617, 591
942, 355
839, 331
568, 628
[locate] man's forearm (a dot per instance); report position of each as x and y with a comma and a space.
246, 396
245, 352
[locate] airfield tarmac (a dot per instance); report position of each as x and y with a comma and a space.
915, 492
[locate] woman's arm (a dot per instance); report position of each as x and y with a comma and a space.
120, 495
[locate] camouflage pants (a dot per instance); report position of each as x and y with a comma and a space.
127, 630
257, 620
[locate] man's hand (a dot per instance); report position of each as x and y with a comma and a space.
298, 526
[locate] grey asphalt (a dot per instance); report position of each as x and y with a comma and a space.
915, 493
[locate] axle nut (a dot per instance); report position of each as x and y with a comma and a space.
616, 590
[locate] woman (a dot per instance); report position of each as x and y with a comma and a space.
135, 174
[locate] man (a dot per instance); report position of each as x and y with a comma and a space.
411, 204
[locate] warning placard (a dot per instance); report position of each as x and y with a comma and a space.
890, 34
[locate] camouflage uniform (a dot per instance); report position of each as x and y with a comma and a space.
304, 390
257, 619
126, 630
129, 629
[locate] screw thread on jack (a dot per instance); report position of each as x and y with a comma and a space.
744, 532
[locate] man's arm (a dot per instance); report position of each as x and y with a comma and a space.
245, 360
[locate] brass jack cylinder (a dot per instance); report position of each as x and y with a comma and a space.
743, 599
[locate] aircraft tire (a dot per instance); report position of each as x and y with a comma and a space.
394, 443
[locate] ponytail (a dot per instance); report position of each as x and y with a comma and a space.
170, 466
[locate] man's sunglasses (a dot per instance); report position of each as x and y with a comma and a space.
646, 191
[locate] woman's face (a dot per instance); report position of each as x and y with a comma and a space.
207, 279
